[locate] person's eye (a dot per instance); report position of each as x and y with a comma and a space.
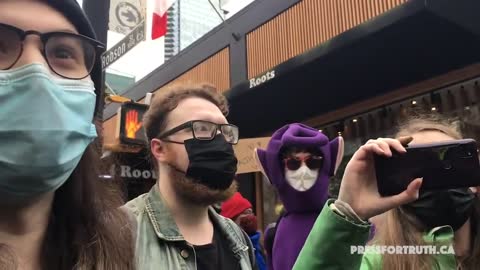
64, 53
3, 48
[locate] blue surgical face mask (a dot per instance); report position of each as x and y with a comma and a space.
45, 126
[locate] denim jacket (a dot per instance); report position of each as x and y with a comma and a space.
161, 246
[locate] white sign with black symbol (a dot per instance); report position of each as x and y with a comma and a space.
136, 36
125, 15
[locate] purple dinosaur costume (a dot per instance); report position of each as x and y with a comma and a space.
303, 207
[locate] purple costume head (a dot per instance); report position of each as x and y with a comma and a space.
301, 136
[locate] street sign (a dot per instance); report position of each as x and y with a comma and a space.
125, 45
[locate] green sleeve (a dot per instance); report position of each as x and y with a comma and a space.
329, 244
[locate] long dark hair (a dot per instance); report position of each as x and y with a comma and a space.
87, 230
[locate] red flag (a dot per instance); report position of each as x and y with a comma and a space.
159, 24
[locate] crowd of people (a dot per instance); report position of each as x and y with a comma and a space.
55, 212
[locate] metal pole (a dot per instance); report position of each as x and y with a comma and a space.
98, 12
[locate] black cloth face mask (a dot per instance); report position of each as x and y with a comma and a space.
437, 208
212, 163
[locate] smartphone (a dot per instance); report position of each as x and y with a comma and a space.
445, 165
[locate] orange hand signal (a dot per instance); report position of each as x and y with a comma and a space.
131, 124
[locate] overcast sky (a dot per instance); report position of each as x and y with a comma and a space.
149, 55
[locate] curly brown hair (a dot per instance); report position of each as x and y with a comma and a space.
155, 119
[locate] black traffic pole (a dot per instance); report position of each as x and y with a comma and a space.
98, 12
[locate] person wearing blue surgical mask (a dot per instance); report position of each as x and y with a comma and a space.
54, 211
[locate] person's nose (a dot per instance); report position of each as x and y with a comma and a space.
32, 52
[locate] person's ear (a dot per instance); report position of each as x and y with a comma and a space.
158, 149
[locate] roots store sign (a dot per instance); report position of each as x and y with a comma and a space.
127, 171
135, 171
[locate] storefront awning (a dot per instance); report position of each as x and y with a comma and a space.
411, 43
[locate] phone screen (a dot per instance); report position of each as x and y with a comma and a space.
445, 165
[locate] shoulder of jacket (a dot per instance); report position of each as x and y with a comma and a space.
136, 207
133, 210
240, 235
371, 261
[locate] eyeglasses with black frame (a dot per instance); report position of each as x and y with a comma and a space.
69, 55
205, 131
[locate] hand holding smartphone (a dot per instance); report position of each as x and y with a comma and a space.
445, 165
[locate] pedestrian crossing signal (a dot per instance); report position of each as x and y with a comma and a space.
131, 123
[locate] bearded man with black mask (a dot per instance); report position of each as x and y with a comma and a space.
191, 146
